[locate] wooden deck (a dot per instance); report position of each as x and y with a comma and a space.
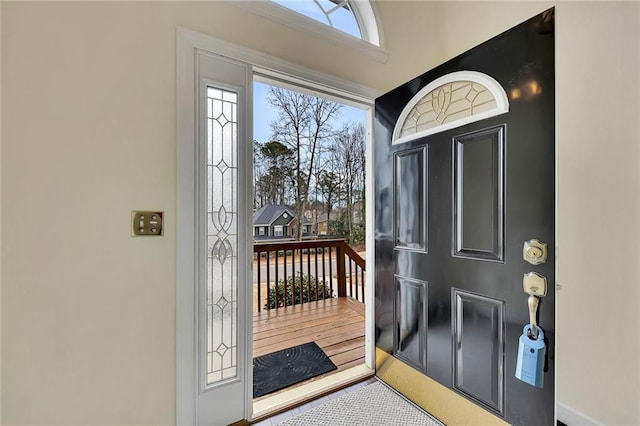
336, 325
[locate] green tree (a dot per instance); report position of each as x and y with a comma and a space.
329, 186
276, 172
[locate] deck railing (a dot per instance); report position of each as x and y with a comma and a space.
292, 272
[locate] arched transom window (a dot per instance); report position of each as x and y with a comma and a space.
354, 17
450, 101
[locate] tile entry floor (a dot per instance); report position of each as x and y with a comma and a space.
277, 419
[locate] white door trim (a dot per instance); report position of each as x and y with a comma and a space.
570, 416
186, 362
186, 337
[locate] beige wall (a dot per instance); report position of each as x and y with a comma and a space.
598, 141
88, 313
88, 90
0, 217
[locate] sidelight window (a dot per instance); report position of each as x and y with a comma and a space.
222, 235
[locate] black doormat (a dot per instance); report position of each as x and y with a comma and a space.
277, 370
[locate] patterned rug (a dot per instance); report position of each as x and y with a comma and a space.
374, 404
278, 370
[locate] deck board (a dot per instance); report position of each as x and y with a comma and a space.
308, 323
336, 325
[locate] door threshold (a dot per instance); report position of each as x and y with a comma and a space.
290, 398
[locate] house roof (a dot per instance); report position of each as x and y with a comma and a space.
266, 215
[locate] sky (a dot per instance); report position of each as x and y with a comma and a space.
264, 114
341, 17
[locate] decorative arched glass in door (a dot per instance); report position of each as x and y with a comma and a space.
450, 101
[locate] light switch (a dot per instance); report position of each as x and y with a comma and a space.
146, 223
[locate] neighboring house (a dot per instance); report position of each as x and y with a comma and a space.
314, 209
307, 228
273, 222
323, 222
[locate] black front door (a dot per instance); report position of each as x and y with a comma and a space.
453, 212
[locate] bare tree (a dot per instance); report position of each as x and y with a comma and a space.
349, 155
303, 122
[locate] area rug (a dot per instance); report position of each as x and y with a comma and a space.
374, 404
278, 370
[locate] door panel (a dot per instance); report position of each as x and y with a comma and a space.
478, 194
410, 307
222, 217
453, 210
478, 345
410, 200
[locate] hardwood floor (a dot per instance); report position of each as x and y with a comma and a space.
336, 325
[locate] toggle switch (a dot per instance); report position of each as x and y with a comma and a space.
146, 223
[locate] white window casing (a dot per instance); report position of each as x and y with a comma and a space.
190, 409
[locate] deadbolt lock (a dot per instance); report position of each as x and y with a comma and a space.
534, 252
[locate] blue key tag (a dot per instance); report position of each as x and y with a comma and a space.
530, 362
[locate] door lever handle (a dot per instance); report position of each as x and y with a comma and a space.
533, 302
534, 285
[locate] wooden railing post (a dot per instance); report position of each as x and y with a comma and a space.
342, 276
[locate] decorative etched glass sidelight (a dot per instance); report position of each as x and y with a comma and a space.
222, 234
450, 101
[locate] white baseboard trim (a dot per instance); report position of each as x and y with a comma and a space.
571, 417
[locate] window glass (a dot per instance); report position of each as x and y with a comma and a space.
222, 237
306, 8
334, 13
